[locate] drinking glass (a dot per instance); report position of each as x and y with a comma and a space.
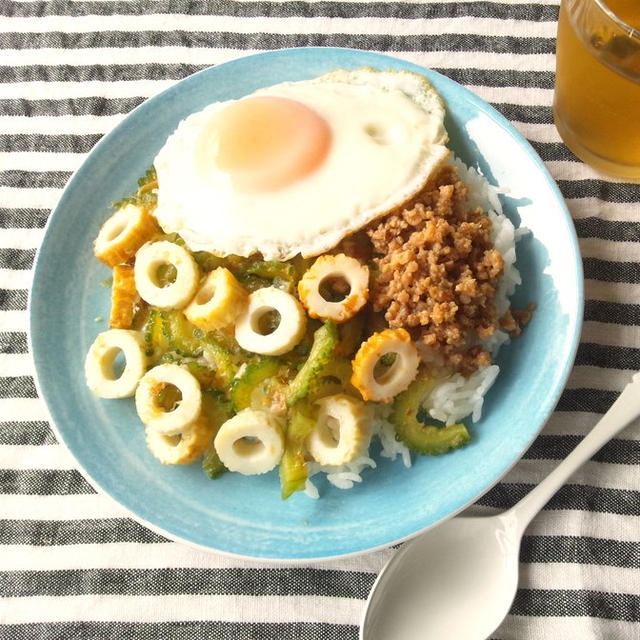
596, 104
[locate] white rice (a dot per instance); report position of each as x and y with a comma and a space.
456, 397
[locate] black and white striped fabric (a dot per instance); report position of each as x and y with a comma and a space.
72, 564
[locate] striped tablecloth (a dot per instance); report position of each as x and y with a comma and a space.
72, 564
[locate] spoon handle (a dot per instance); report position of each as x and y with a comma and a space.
622, 412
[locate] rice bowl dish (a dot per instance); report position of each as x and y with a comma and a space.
292, 345
246, 517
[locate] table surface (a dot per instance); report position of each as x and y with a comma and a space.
72, 564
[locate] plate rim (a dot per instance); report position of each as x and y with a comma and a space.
576, 325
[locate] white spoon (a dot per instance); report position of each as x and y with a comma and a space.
457, 581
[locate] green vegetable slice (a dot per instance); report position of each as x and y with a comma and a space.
293, 465
155, 340
272, 269
207, 261
183, 337
168, 237
222, 360
254, 373
146, 195
324, 343
206, 376
257, 274
251, 282
167, 397
217, 410
187, 340
283, 275
296, 357
166, 274
334, 377
301, 265
424, 438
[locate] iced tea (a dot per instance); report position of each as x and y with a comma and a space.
597, 96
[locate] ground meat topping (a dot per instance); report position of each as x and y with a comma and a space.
436, 272
515, 319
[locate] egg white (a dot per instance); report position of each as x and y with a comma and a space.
388, 138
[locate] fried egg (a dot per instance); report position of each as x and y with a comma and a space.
295, 167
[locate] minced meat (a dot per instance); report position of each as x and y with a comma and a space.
436, 272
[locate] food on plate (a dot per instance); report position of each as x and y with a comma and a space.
251, 442
99, 364
124, 297
325, 269
341, 432
179, 414
163, 294
218, 302
420, 437
305, 278
123, 234
446, 291
183, 448
253, 335
257, 176
385, 385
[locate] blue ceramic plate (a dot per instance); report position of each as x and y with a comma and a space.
244, 515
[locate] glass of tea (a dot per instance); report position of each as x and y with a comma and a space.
596, 104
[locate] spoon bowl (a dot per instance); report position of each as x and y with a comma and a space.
463, 565
458, 579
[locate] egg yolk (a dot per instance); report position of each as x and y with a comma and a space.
266, 143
